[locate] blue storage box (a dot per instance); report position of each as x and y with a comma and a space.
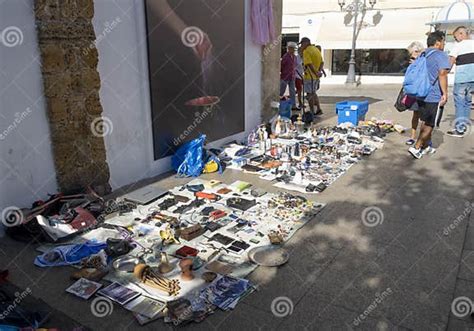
285, 108
351, 111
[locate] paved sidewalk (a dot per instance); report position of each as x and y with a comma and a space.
400, 267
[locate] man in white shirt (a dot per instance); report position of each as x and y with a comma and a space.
462, 55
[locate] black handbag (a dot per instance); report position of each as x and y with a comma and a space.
404, 101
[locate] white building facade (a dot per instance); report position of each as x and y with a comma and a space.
385, 32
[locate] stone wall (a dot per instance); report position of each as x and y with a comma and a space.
71, 86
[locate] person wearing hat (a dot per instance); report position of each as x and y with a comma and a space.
312, 60
287, 71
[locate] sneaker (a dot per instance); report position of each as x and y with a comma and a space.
319, 112
455, 133
417, 154
410, 142
428, 150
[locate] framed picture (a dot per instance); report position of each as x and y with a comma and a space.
196, 70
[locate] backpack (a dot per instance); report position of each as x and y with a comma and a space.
417, 79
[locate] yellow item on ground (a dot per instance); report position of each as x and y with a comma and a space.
210, 167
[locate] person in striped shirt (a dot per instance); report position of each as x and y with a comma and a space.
462, 55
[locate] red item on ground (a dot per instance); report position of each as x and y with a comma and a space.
187, 251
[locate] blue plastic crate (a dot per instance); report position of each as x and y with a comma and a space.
351, 111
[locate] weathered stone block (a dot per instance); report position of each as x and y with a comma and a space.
93, 107
56, 85
90, 79
69, 9
53, 57
90, 56
86, 8
47, 9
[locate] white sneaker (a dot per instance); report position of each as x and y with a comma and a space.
417, 154
428, 150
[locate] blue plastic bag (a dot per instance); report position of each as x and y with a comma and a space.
68, 254
189, 159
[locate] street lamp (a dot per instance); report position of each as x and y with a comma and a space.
353, 9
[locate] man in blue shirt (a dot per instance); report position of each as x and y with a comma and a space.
438, 67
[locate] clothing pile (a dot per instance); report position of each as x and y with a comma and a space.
62, 217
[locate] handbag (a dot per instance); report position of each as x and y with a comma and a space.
404, 101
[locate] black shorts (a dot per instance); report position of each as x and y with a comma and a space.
428, 112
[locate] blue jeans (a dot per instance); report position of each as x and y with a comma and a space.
463, 103
291, 87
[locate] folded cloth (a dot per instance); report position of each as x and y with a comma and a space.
68, 254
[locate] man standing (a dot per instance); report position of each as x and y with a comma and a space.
462, 55
320, 49
287, 71
299, 78
312, 61
438, 67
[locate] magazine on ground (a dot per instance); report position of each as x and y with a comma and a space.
145, 306
84, 288
118, 293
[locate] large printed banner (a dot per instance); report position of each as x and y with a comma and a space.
196, 64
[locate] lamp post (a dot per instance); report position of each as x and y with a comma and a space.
353, 9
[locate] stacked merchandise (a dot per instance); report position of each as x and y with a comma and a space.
305, 160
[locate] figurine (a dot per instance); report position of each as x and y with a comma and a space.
186, 266
261, 138
297, 149
299, 125
167, 236
165, 265
278, 126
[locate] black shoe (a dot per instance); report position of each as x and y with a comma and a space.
319, 112
455, 133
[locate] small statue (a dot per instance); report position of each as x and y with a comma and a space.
168, 237
299, 125
186, 266
165, 265
278, 126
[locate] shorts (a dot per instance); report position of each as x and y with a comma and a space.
414, 106
429, 112
311, 85
299, 85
